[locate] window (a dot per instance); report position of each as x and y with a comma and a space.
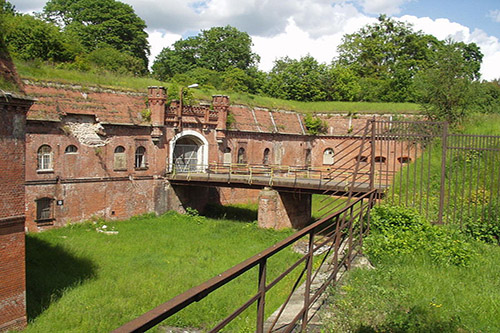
265, 159
71, 149
44, 210
227, 156
140, 158
379, 159
242, 159
404, 159
44, 158
362, 159
328, 156
120, 159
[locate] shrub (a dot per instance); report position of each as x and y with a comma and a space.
401, 230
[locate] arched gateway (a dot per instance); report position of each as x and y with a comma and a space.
188, 152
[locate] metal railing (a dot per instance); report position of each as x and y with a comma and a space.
341, 233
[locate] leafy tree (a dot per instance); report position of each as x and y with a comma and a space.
100, 24
444, 90
341, 83
300, 80
390, 53
29, 38
486, 96
218, 49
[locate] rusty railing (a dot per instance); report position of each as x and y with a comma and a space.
341, 234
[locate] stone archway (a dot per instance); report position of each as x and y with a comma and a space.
188, 152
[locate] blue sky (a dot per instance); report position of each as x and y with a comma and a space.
473, 14
295, 28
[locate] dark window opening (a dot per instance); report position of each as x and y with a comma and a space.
404, 159
380, 159
265, 159
242, 159
71, 149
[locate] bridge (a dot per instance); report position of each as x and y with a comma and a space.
285, 198
303, 179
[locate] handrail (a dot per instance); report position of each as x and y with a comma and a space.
195, 294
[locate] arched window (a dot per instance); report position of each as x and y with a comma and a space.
242, 159
404, 159
140, 158
71, 149
328, 156
265, 159
227, 156
45, 158
120, 159
379, 159
44, 209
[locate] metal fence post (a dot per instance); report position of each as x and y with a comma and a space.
262, 296
307, 292
372, 157
444, 143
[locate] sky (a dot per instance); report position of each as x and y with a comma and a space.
295, 28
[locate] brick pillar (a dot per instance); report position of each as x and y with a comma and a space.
157, 97
280, 210
12, 243
220, 104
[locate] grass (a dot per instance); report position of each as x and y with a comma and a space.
412, 294
42, 72
80, 280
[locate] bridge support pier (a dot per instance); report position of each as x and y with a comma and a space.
179, 198
280, 210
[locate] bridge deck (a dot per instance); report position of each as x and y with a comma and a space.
281, 183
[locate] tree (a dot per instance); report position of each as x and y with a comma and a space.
444, 90
300, 80
101, 23
389, 53
29, 38
218, 49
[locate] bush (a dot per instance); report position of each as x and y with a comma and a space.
401, 230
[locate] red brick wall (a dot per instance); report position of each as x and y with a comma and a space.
12, 242
86, 183
12, 275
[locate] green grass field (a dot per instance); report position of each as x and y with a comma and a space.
44, 73
410, 293
80, 280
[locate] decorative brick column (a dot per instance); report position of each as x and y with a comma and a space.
280, 210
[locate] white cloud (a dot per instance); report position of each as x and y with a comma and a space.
158, 40
495, 15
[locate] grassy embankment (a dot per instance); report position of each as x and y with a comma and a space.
85, 281
41, 72
411, 292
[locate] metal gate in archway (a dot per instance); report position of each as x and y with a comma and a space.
187, 155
